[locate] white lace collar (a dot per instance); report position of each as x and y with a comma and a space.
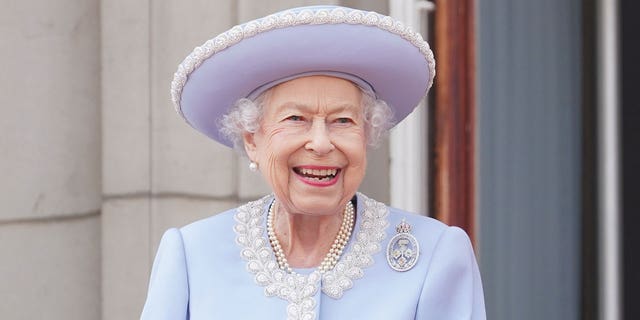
298, 289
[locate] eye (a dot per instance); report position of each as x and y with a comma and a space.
343, 120
295, 118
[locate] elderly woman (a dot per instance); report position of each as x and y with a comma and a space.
303, 93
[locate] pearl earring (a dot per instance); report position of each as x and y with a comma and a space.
253, 166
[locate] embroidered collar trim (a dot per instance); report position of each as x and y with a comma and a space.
298, 289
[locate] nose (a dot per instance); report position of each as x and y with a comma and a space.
319, 139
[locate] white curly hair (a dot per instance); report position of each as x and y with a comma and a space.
245, 115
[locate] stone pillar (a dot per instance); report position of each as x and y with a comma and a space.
50, 168
157, 171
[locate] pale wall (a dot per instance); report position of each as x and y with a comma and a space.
96, 164
50, 167
50, 269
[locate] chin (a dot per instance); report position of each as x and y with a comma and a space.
320, 206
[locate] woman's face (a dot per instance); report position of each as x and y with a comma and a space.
311, 145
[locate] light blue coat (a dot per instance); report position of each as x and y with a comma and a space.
222, 268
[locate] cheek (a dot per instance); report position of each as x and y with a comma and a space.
354, 148
276, 147
269, 144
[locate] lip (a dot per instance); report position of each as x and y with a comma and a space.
318, 183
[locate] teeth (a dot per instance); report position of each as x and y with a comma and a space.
320, 173
321, 179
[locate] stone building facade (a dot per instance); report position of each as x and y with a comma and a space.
95, 162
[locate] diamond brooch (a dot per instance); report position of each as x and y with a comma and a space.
403, 249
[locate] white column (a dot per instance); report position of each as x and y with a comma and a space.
408, 144
609, 231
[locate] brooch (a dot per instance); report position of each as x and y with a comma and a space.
403, 249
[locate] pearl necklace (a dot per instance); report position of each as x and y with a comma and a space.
334, 253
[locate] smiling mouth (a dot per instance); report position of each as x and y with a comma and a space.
319, 175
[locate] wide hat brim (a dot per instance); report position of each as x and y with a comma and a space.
392, 59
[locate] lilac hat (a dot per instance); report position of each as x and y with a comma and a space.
376, 52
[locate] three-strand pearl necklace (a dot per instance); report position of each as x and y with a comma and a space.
334, 253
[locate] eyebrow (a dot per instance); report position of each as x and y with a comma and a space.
308, 109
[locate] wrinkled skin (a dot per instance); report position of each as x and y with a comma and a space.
312, 122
